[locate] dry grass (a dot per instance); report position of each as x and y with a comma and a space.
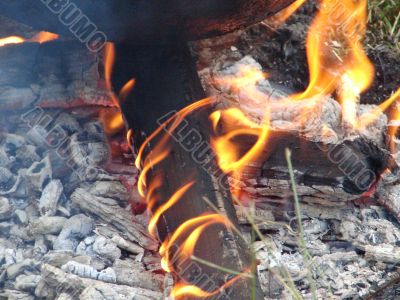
384, 22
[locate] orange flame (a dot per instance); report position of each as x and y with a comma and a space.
162, 148
394, 125
336, 58
41, 37
334, 50
114, 122
11, 40
192, 231
190, 242
278, 19
109, 60
370, 117
185, 290
172, 201
234, 123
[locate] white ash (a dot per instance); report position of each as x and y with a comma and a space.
319, 118
50, 198
93, 244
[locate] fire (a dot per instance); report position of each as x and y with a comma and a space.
113, 121
11, 40
335, 54
109, 60
185, 290
162, 148
232, 123
370, 117
229, 154
173, 200
187, 235
281, 17
338, 65
41, 37
190, 241
393, 129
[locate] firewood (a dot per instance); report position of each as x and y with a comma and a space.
87, 288
111, 213
170, 69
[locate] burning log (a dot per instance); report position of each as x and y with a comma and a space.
333, 162
171, 71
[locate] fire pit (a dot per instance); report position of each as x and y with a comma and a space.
217, 175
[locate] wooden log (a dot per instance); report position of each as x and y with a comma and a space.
110, 212
333, 163
166, 81
86, 288
153, 20
324, 172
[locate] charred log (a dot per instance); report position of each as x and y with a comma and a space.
151, 20
166, 81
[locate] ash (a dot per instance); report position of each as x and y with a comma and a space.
72, 227
68, 230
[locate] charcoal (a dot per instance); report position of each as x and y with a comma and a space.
74, 229
6, 209
40, 173
46, 225
51, 196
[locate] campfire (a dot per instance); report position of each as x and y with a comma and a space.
140, 163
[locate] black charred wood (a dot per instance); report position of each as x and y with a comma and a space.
141, 20
167, 81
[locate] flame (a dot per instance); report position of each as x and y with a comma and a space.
234, 124
127, 89
43, 37
193, 229
394, 125
172, 201
114, 122
370, 117
40, 37
201, 222
109, 60
336, 58
162, 148
335, 54
338, 65
11, 40
185, 290
278, 19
